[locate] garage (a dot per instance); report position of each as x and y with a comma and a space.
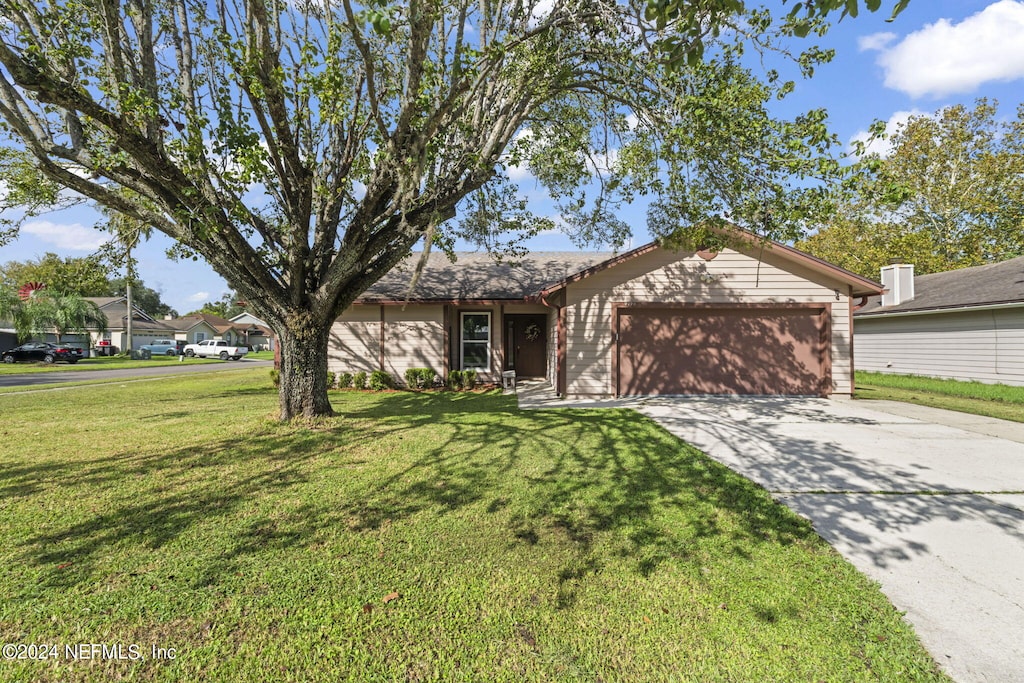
768, 349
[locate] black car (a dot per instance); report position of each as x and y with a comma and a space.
44, 352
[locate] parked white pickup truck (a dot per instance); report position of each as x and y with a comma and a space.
215, 347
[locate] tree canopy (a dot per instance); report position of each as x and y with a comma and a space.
81, 275
303, 147
947, 194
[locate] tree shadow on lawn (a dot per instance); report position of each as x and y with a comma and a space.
600, 484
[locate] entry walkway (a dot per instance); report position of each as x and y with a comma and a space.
927, 502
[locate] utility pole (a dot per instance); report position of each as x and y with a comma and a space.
131, 315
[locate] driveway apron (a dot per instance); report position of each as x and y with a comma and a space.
933, 512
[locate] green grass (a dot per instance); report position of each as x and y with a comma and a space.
523, 546
98, 363
261, 355
991, 400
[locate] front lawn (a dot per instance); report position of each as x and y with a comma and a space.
416, 537
992, 400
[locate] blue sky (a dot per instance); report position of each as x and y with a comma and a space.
937, 53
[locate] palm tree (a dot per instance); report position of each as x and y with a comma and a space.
61, 314
65, 314
15, 312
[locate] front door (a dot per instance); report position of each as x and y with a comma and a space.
526, 344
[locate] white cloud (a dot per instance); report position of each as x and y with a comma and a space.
541, 11
520, 172
70, 236
875, 41
945, 58
883, 147
199, 297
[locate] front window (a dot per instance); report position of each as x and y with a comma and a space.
200, 337
476, 341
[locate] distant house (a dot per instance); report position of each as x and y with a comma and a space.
145, 328
257, 333
200, 326
754, 319
965, 324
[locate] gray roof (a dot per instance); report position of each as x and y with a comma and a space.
995, 283
116, 311
477, 276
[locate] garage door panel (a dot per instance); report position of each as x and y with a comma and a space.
774, 351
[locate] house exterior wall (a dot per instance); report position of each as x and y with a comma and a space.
355, 340
413, 338
662, 276
986, 345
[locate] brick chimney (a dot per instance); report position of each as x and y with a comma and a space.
898, 280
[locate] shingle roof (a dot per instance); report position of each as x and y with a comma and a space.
477, 276
116, 310
995, 283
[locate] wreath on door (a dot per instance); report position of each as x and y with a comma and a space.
532, 332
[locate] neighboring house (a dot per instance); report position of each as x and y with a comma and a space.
200, 326
145, 328
750, 320
963, 324
257, 333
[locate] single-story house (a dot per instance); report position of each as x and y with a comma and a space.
197, 327
145, 328
965, 324
755, 319
257, 333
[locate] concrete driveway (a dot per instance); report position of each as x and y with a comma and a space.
927, 502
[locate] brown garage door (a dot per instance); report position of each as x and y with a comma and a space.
749, 350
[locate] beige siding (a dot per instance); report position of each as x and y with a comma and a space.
667, 277
413, 338
987, 346
355, 341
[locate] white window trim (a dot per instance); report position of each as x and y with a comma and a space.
462, 342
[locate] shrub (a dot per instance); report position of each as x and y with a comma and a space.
419, 378
275, 377
380, 380
455, 380
359, 380
331, 378
468, 378
345, 380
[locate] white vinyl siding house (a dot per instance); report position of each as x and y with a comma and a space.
980, 345
965, 324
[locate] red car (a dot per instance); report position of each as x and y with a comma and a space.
44, 352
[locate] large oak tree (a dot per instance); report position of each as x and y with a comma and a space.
303, 147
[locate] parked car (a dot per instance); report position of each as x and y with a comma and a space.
217, 348
44, 352
160, 347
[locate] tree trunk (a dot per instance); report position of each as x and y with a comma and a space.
304, 371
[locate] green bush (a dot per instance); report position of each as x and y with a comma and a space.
419, 378
455, 380
380, 380
345, 380
331, 379
469, 378
275, 377
359, 380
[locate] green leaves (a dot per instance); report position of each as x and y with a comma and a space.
946, 195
